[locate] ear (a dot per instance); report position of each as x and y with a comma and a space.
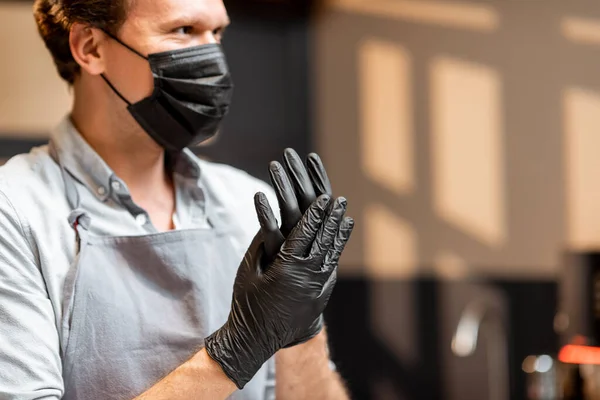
86, 47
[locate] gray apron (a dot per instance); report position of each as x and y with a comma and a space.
138, 307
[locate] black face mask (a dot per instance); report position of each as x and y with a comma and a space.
192, 94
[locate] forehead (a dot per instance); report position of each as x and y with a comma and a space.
160, 12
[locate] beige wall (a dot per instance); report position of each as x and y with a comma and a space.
32, 96
465, 134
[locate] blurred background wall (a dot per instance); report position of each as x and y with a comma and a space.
464, 134
32, 96
464, 130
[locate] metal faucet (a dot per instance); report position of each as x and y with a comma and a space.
484, 314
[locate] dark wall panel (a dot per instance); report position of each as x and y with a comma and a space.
392, 357
268, 57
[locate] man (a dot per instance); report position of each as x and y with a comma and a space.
131, 269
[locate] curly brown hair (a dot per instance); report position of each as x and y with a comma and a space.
55, 18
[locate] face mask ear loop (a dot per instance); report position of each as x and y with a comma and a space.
116, 39
115, 89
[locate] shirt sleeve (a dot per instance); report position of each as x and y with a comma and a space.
30, 363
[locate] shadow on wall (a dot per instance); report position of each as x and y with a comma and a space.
465, 135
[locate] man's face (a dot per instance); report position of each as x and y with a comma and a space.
154, 26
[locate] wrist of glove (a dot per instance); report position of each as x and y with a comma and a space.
313, 330
276, 304
317, 326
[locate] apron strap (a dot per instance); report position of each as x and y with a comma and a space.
79, 220
71, 191
219, 218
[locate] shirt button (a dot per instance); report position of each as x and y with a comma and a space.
101, 190
116, 186
141, 219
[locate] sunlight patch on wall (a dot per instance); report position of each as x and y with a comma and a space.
390, 244
451, 14
450, 266
467, 148
386, 115
581, 30
582, 141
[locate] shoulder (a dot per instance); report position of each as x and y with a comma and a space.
28, 180
31, 189
234, 185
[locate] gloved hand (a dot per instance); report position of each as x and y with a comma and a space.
297, 188
273, 302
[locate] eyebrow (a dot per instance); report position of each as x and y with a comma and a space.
184, 20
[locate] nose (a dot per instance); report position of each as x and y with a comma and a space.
207, 37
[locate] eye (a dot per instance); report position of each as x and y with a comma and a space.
184, 30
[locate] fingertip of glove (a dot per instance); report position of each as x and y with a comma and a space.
275, 166
323, 201
347, 224
289, 152
313, 158
263, 208
259, 198
349, 228
293, 162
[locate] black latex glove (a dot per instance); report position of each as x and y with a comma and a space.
273, 302
297, 187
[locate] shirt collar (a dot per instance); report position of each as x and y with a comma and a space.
82, 161
186, 164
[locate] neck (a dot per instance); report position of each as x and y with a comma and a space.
111, 131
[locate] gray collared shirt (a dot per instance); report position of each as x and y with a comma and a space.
38, 246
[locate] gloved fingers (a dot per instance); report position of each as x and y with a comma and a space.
272, 236
328, 286
300, 240
303, 185
331, 281
318, 175
329, 229
264, 212
332, 258
288, 204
